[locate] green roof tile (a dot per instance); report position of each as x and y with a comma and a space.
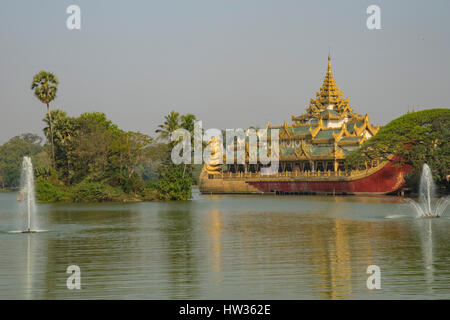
351, 138
300, 130
326, 134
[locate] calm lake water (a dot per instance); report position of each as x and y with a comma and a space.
227, 247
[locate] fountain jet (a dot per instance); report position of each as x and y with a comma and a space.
26, 195
427, 207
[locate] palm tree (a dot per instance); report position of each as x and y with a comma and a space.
57, 116
187, 122
171, 123
45, 85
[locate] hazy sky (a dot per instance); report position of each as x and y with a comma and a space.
231, 63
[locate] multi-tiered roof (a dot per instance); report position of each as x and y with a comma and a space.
329, 129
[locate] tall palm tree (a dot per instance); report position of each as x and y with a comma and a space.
171, 123
45, 85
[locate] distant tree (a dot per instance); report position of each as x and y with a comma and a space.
416, 138
187, 122
2, 179
64, 129
92, 154
175, 190
91, 145
132, 149
171, 123
45, 86
12, 153
173, 183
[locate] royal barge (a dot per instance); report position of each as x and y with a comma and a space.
312, 152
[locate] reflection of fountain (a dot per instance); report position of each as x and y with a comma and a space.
427, 207
26, 194
426, 237
29, 269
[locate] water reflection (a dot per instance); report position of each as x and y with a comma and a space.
214, 231
28, 285
228, 247
427, 249
177, 228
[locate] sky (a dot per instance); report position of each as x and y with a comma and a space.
233, 64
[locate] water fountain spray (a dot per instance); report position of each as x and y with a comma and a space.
427, 207
26, 194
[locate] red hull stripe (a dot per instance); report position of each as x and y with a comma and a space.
387, 180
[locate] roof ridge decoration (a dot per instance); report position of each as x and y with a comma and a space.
366, 126
286, 133
315, 131
343, 132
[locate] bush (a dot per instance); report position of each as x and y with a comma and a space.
149, 191
95, 192
175, 183
48, 192
133, 184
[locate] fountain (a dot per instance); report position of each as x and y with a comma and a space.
427, 207
26, 195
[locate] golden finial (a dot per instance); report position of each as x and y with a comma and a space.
329, 63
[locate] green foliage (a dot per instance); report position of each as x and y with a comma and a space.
175, 182
187, 122
92, 160
196, 171
95, 192
96, 161
416, 138
149, 191
45, 86
48, 192
11, 156
129, 184
92, 146
171, 123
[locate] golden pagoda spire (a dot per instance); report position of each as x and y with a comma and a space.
328, 99
329, 94
329, 63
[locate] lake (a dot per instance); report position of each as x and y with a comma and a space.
226, 247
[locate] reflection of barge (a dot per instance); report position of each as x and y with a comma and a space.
311, 155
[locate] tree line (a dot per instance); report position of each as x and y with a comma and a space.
89, 158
